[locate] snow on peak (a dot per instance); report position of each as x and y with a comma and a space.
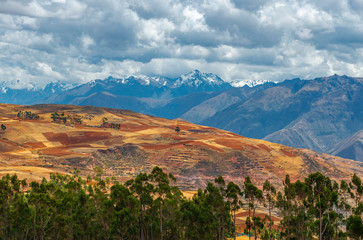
250, 83
58, 86
192, 79
16, 84
197, 78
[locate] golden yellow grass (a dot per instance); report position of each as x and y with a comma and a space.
154, 135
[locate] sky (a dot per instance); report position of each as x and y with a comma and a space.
76, 41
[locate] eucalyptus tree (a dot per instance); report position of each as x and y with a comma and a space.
163, 191
354, 221
43, 205
254, 196
143, 190
301, 194
322, 200
344, 196
356, 187
270, 195
355, 227
233, 193
10, 187
285, 204
126, 211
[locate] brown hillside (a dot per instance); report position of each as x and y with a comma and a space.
198, 154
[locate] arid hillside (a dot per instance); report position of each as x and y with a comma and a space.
68, 139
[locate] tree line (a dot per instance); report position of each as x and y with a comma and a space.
62, 118
151, 206
27, 115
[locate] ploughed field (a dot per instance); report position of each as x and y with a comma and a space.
124, 143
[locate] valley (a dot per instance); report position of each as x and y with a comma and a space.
316, 114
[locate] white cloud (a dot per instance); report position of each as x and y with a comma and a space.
87, 41
48, 71
27, 38
71, 9
78, 40
300, 18
194, 21
155, 32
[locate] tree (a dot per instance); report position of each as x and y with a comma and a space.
357, 186
55, 116
301, 194
143, 190
270, 194
43, 206
9, 187
344, 198
104, 121
254, 195
150, 207
355, 227
233, 194
162, 190
98, 171
323, 198
3, 127
177, 130
20, 216
125, 215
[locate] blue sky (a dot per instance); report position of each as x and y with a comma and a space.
77, 41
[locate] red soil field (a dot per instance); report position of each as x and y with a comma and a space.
288, 153
34, 145
264, 147
56, 152
6, 146
230, 143
87, 137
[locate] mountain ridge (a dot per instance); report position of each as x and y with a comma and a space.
351, 147
314, 114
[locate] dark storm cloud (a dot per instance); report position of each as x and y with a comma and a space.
78, 40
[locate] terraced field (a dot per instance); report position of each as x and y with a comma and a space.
196, 155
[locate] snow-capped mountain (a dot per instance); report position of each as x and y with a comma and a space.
194, 79
157, 87
132, 80
250, 83
197, 78
161, 88
16, 92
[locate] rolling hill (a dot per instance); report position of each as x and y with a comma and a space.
124, 143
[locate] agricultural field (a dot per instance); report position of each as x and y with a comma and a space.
197, 154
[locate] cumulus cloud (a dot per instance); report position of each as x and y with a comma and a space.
76, 41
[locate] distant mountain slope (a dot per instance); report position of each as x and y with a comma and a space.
314, 114
146, 87
197, 154
9, 93
221, 101
351, 147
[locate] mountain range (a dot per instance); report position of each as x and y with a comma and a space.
317, 114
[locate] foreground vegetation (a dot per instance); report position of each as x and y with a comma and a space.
152, 207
